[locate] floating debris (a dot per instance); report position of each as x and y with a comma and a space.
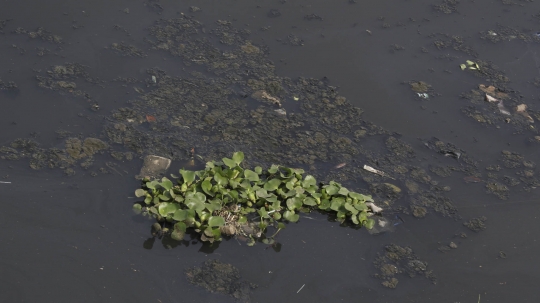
340, 165
376, 171
153, 166
423, 95
470, 65
223, 278
500, 105
522, 110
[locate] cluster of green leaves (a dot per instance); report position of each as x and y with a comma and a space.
276, 195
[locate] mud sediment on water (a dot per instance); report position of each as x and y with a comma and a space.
397, 260
222, 278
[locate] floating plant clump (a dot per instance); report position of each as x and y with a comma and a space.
225, 199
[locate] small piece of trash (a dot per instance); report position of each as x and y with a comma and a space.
154, 79
374, 208
281, 111
423, 95
340, 165
500, 105
153, 166
5, 182
301, 288
522, 110
296, 98
376, 171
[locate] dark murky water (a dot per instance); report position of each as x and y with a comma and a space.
75, 238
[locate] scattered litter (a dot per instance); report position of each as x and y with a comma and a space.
296, 98
4, 182
376, 171
492, 33
301, 288
522, 110
154, 79
423, 95
150, 118
492, 91
470, 65
153, 166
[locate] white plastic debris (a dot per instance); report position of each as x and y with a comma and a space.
423, 95
374, 208
281, 111
376, 171
153, 166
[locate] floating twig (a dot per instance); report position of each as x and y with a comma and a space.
301, 288
5, 182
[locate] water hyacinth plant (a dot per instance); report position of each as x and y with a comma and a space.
219, 200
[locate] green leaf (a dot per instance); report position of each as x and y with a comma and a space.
356, 196
258, 170
268, 241
180, 215
310, 201
262, 193
272, 184
351, 208
362, 217
463, 66
287, 172
242, 219
354, 219
220, 179
273, 169
309, 181
263, 213
281, 225
336, 204
152, 185
294, 203
331, 189
325, 204
276, 215
251, 175
229, 162
188, 176
215, 221
369, 223
206, 186
137, 208
166, 208
343, 191
196, 205
238, 157
140, 193
213, 206
166, 183
199, 197
361, 206
291, 216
